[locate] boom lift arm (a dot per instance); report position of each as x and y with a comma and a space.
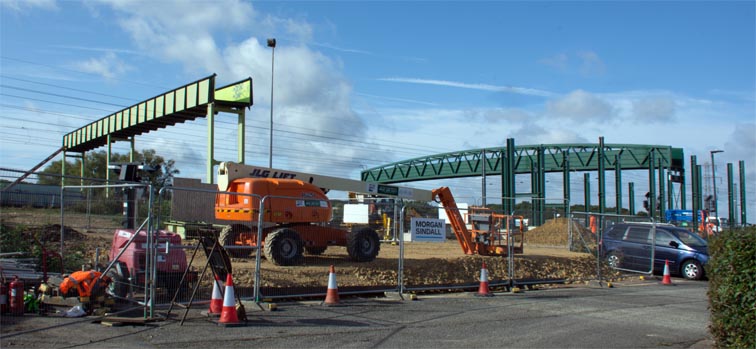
229, 171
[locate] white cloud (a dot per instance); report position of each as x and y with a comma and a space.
560, 61
497, 115
585, 62
740, 146
580, 105
340, 49
482, 87
533, 133
654, 109
312, 100
24, 5
590, 63
181, 31
108, 66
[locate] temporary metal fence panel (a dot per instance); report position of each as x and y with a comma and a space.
345, 233
132, 237
36, 200
194, 278
640, 239
444, 262
303, 251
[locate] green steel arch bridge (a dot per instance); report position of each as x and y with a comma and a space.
665, 166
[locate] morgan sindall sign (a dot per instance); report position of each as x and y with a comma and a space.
428, 229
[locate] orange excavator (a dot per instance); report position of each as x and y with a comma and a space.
490, 234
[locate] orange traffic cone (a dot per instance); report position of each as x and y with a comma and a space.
332, 294
228, 313
216, 301
666, 280
483, 289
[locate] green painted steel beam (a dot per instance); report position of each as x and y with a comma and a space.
601, 164
566, 181
743, 214
694, 193
631, 197
730, 195
179, 105
652, 186
662, 192
469, 163
618, 186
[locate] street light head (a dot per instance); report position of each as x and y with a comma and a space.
717, 151
272, 43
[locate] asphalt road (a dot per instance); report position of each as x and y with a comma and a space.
635, 314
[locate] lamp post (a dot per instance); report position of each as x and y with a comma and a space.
714, 185
272, 45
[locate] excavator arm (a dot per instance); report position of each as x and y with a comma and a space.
446, 199
489, 231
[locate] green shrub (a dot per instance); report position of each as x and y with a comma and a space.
20, 238
732, 288
12, 239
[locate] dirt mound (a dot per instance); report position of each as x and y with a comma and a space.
429, 264
555, 232
51, 233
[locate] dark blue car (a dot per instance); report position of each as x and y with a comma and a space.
629, 246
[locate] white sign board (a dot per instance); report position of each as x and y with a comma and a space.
462, 210
356, 213
428, 230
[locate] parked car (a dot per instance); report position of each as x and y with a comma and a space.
628, 246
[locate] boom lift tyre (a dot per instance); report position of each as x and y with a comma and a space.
231, 233
363, 245
284, 247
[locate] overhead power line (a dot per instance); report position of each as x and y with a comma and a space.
68, 88
59, 95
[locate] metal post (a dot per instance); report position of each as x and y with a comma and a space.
272, 45
699, 187
210, 142
63, 171
541, 183
714, 186
694, 193
683, 193
652, 185
662, 194
240, 133
483, 181
131, 150
601, 177
508, 178
618, 183
730, 196
81, 167
534, 193
566, 180
741, 168
631, 198
587, 196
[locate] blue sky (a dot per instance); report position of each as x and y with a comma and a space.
360, 84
